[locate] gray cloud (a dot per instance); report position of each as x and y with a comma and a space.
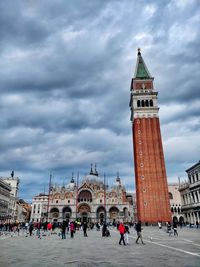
66, 68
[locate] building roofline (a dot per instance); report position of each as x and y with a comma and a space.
5, 185
193, 166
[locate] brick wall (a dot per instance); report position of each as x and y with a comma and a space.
150, 174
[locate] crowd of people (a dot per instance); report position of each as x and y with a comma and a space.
70, 227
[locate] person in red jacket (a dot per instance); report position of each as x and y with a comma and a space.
49, 228
72, 229
122, 230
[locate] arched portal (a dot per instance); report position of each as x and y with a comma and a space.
84, 211
101, 214
54, 214
66, 212
181, 220
125, 211
113, 213
175, 219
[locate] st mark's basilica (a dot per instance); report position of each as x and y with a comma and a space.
90, 201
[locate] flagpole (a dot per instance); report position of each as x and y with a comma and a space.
77, 194
49, 196
105, 196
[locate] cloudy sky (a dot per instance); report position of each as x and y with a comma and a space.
65, 73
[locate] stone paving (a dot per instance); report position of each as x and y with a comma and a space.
94, 250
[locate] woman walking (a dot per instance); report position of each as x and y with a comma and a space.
72, 229
122, 230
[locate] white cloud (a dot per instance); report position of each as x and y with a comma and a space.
149, 10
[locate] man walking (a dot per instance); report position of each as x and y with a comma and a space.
63, 229
30, 229
175, 228
138, 229
85, 229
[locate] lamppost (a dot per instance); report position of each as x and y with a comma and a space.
49, 196
105, 197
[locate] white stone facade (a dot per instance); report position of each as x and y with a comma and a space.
90, 201
5, 190
190, 195
175, 202
39, 208
14, 183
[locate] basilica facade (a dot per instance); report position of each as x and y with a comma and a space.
90, 201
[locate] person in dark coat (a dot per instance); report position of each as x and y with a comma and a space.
104, 228
31, 229
63, 229
138, 228
85, 228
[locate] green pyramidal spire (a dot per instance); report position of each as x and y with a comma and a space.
141, 71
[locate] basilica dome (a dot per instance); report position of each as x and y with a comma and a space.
71, 185
118, 185
93, 177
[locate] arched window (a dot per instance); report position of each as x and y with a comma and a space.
85, 196
138, 103
143, 104
151, 103
147, 103
172, 209
170, 195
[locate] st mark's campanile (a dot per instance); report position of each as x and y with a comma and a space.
150, 173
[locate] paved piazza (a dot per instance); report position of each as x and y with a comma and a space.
94, 250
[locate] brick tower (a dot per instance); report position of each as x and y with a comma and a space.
150, 174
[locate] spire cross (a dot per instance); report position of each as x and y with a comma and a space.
91, 171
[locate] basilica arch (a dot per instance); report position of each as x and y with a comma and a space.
101, 214
125, 211
113, 213
84, 211
54, 214
66, 212
85, 196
